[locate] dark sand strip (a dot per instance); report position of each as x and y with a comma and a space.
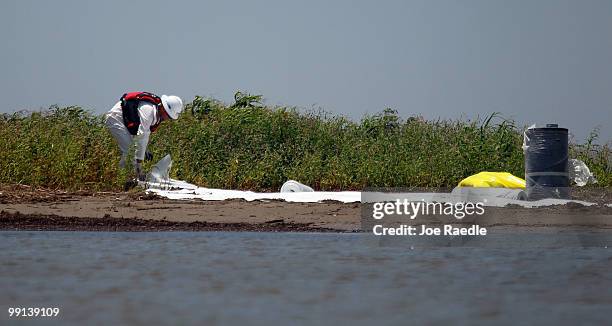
21, 222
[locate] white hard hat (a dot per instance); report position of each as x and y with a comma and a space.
173, 105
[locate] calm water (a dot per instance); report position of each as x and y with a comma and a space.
280, 278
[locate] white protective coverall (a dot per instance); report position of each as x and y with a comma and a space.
114, 122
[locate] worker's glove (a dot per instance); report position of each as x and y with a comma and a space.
140, 175
148, 156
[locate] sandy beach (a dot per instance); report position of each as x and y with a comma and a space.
23, 208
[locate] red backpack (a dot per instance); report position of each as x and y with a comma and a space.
129, 108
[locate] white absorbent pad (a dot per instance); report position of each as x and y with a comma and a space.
159, 183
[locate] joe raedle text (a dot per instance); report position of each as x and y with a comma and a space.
420, 230
411, 210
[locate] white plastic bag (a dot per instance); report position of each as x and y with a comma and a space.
580, 173
161, 171
294, 186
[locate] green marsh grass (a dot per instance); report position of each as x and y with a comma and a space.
248, 145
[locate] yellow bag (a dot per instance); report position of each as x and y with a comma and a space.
493, 180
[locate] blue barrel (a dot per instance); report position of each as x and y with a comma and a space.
546, 157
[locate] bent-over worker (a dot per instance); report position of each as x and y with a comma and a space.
135, 117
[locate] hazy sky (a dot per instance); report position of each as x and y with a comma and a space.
533, 60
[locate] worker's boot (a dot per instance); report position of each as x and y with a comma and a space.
130, 184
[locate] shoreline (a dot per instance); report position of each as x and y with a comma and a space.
46, 210
21, 222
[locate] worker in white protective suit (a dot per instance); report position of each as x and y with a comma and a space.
134, 118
